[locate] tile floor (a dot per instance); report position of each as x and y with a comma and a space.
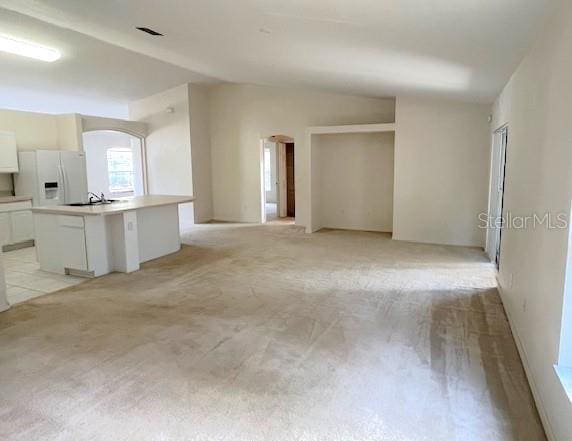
25, 280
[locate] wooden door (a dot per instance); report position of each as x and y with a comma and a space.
290, 188
281, 196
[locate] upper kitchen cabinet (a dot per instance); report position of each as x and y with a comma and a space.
8, 153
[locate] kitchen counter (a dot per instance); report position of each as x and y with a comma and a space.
119, 206
93, 240
9, 199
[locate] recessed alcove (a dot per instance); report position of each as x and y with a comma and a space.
351, 177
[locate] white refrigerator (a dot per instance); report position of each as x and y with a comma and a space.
52, 177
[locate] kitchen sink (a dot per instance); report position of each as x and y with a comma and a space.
84, 204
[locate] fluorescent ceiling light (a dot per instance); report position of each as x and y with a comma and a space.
28, 49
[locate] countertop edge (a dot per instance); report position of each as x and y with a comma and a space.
64, 210
13, 199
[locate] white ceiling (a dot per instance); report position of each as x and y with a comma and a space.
92, 77
464, 49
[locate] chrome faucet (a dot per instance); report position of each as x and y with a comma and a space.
94, 199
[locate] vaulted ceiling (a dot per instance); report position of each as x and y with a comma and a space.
463, 49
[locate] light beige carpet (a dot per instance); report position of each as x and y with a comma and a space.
266, 333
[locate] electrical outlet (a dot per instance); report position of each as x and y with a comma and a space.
129, 226
524, 305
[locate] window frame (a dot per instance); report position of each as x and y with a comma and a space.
130, 170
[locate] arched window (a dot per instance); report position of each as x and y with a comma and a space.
120, 169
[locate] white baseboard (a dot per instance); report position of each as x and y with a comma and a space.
4, 307
524, 358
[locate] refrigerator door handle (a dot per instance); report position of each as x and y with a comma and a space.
62, 191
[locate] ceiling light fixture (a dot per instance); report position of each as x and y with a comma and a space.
28, 49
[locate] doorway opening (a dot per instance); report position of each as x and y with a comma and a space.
496, 197
278, 192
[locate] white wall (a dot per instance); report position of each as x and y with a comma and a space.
95, 145
242, 115
40, 130
441, 171
5, 184
536, 104
168, 143
199, 102
355, 180
69, 132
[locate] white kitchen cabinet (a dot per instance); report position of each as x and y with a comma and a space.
8, 153
72, 236
5, 229
93, 241
16, 224
22, 226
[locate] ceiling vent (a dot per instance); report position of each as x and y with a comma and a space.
150, 32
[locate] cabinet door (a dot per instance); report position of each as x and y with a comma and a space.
22, 226
72, 237
5, 229
8, 153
